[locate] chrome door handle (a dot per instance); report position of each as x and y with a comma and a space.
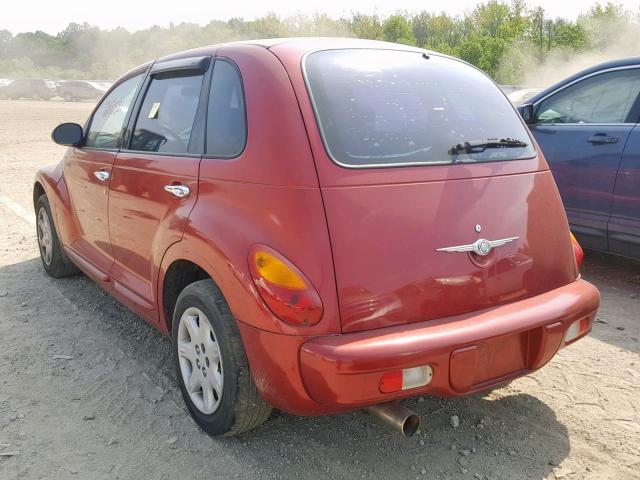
180, 191
102, 175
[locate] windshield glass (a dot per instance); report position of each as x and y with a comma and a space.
388, 108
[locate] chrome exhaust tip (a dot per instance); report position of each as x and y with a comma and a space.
397, 417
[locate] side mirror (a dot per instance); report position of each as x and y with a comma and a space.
68, 134
526, 111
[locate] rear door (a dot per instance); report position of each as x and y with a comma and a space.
154, 183
624, 225
404, 207
582, 130
87, 172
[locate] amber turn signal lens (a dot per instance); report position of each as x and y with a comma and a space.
284, 288
273, 270
577, 250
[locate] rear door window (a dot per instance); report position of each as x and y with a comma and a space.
167, 115
391, 108
107, 124
603, 98
226, 119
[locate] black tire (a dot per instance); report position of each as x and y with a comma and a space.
68, 97
59, 264
240, 408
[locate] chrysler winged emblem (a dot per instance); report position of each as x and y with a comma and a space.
481, 246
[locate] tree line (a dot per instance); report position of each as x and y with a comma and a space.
503, 39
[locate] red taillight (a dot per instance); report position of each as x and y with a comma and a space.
391, 382
284, 288
577, 250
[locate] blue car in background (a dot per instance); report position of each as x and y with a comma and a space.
587, 128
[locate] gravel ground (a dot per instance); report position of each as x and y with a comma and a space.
87, 389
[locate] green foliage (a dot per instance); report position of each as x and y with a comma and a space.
397, 29
499, 37
366, 26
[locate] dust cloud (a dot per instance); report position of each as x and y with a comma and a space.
612, 40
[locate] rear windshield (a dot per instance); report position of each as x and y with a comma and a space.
389, 108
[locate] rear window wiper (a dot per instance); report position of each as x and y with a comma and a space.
477, 146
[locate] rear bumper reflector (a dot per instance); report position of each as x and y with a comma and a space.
406, 379
577, 329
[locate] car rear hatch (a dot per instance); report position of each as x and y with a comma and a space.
408, 210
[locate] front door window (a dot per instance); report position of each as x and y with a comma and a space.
604, 98
107, 125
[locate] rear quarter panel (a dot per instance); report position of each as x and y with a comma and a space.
269, 194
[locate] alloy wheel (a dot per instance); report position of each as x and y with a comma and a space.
45, 239
200, 360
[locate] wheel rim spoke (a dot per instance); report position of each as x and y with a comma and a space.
207, 396
194, 383
216, 382
215, 360
187, 351
191, 322
213, 352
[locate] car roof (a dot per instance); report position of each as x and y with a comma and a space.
314, 43
619, 63
300, 44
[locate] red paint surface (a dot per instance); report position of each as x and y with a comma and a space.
467, 352
365, 239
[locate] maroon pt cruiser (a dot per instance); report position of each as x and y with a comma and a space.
320, 225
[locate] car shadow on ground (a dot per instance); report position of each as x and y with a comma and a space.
505, 434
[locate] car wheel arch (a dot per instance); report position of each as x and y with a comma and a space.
178, 275
180, 268
38, 191
50, 182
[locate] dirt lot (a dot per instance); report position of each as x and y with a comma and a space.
87, 389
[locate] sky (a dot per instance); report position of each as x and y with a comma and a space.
53, 16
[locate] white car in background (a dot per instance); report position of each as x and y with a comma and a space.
76, 90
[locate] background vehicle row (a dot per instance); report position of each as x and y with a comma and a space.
69, 90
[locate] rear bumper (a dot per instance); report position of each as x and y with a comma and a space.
468, 353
